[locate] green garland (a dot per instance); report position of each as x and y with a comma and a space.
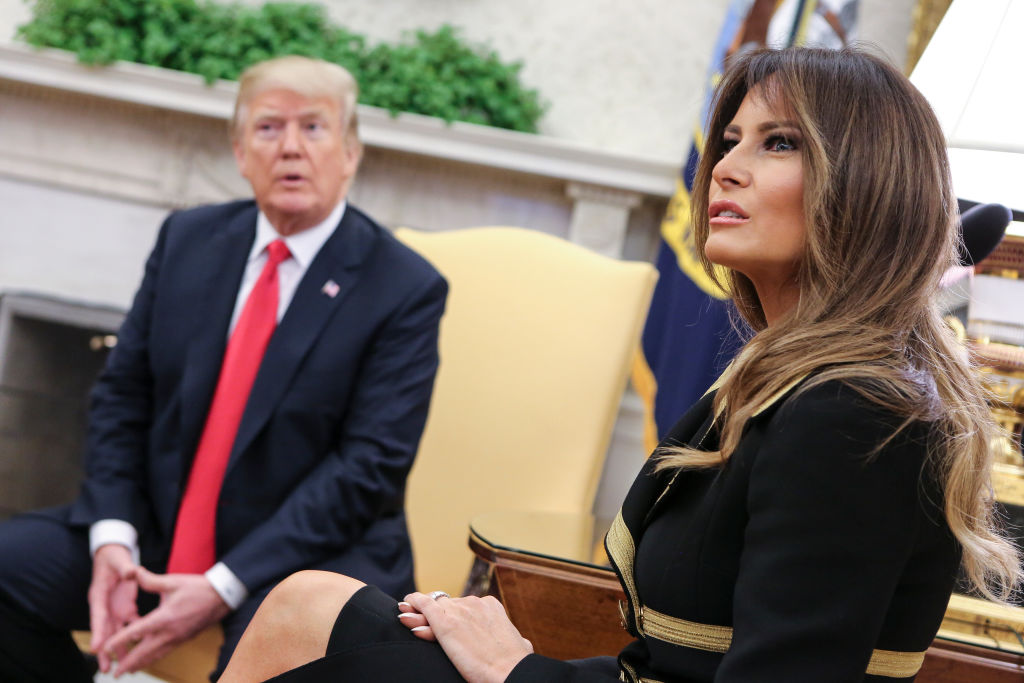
436, 74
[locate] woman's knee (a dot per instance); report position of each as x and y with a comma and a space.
309, 601
300, 611
313, 585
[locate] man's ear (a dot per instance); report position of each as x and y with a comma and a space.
239, 151
353, 153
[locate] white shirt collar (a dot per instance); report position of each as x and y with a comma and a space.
303, 245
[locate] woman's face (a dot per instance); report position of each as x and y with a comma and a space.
755, 202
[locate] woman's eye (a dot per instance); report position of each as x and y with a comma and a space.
727, 145
779, 143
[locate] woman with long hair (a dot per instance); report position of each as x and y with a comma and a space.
805, 520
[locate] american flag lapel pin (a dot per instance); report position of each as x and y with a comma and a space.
330, 288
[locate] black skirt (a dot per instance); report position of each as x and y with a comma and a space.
368, 642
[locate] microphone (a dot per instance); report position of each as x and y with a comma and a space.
982, 228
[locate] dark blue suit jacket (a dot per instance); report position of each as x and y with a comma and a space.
317, 474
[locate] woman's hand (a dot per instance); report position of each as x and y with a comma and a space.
475, 633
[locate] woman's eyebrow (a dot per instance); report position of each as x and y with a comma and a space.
762, 127
774, 125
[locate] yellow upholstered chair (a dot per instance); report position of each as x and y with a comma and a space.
535, 346
192, 662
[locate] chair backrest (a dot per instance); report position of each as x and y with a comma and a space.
535, 347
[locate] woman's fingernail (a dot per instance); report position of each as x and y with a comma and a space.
407, 614
404, 604
420, 628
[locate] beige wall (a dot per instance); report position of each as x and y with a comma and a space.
623, 76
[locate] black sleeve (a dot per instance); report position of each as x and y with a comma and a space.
120, 411
535, 668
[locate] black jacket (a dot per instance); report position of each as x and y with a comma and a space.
809, 556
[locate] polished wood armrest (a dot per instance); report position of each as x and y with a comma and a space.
567, 610
948, 661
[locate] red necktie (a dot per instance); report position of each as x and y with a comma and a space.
193, 549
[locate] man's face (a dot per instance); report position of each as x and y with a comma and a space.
293, 151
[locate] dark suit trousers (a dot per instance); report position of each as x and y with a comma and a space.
45, 571
44, 575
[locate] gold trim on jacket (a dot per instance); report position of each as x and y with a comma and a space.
768, 402
718, 639
708, 637
622, 554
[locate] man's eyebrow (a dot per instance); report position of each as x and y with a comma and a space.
275, 114
306, 113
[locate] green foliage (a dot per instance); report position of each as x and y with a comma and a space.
436, 74
441, 76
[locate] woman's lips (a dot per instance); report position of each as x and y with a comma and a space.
724, 212
727, 220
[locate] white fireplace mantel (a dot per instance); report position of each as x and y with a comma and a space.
158, 137
179, 92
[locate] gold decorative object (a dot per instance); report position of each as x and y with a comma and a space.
980, 622
926, 18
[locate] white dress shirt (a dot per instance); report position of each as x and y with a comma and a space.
304, 247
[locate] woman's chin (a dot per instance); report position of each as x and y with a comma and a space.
720, 254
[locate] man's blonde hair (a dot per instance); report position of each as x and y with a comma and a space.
304, 75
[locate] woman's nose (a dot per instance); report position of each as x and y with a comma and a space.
731, 169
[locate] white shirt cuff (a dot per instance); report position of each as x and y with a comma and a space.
228, 587
117, 531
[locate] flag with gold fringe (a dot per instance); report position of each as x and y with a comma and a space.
688, 338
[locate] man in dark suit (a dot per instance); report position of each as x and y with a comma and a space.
258, 415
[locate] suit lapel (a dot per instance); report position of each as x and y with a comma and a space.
221, 263
650, 487
699, 440
303, 323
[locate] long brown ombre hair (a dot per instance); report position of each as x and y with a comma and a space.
881, 230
